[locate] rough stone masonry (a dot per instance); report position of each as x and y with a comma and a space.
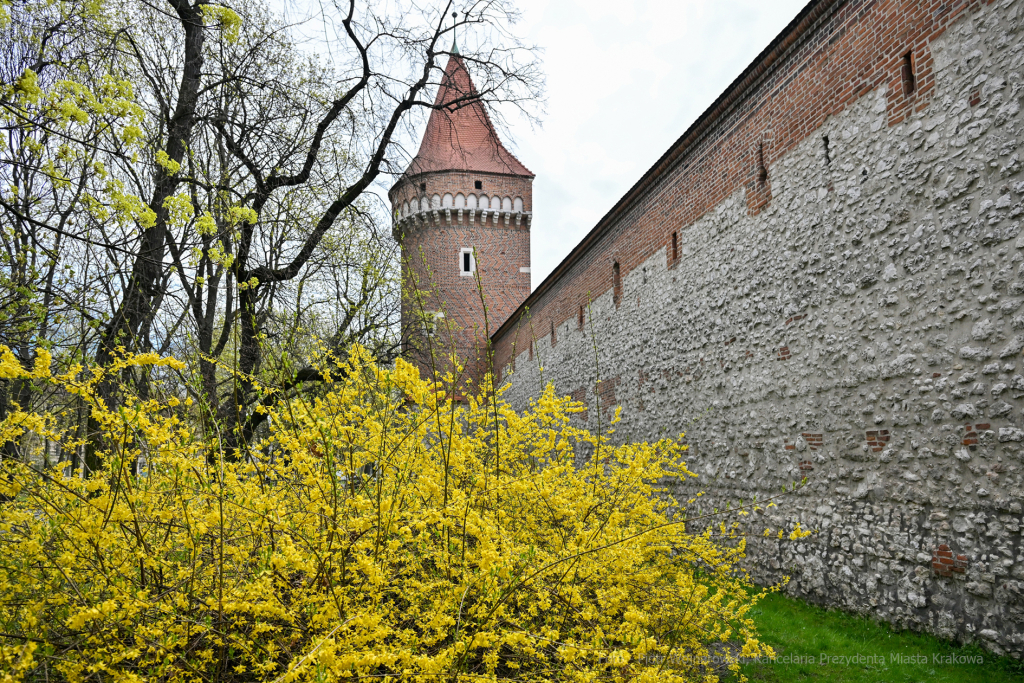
824, 278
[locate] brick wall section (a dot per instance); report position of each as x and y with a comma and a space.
606, 395
854, 48
580, 395
877, 439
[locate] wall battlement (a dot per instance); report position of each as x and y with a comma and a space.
824, 278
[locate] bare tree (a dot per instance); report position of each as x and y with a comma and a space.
241, 222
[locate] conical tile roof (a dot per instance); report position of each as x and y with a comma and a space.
460, 135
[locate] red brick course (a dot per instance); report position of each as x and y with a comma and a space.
606, 395
971, 434
814, 442
580, 395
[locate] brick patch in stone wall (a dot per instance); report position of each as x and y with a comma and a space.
606, 394
945, 563
581, 396
812, 441
783, 353
971, 434
877, 439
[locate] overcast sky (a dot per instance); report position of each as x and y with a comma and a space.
624, 81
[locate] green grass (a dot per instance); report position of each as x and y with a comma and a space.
798, 630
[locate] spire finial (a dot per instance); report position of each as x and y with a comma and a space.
455, 45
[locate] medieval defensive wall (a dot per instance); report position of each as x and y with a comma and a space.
824, 278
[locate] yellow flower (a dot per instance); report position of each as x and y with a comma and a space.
164, 161
374, 529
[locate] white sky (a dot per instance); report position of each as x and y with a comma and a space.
624, 81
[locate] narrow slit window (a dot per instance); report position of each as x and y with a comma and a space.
554, 335
762, 169
828, 150
909, 78
675, 247
580, 321
616, 283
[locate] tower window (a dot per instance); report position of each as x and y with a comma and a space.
827, 148
478, 184
423, 187
909, 79
675, 247
554, 336
579, 323
467, 262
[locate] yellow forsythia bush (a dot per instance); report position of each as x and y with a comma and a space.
377, 532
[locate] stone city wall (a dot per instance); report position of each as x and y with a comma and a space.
844, 301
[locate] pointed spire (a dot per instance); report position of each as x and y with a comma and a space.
459, 134
455, 23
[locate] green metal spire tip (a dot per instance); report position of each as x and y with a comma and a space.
455, 47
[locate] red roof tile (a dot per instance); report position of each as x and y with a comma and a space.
460, 135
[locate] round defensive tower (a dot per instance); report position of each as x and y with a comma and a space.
462, 213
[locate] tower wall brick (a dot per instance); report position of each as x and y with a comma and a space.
433, 241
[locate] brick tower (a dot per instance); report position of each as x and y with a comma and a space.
462, 213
